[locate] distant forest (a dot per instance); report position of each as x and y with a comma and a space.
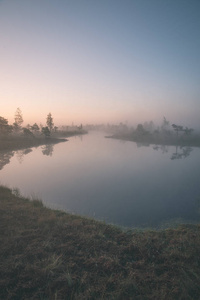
149, 133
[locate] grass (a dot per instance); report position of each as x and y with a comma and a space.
49, 254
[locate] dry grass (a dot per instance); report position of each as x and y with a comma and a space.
48, 254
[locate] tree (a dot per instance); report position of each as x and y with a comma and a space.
35, 127
18, 119
80, 127
188, 131
140, 130
46, 131
28, 126
165, 125
49, 122
28, 133
4, 127
55, 129
149, 126
177, 128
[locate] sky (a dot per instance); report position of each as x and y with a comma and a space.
94, 61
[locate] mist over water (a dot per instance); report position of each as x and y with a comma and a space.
120, 182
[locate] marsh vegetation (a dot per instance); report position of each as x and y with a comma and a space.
49, 254
15, 136
164, 134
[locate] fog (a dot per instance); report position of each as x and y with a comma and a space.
100, 106
130, 183
100, 62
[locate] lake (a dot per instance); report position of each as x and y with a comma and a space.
119, 182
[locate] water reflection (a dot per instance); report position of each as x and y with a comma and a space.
20, 154
110, 180
142, 144
48, 150
5, 158
163, 148
181, 152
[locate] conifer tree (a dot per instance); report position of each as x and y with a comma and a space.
49, 122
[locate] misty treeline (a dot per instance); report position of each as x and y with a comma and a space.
33, 130
148, 132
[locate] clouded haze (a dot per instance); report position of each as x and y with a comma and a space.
106, 60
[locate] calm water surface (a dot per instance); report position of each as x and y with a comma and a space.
119, 182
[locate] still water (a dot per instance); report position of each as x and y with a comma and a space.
118, 182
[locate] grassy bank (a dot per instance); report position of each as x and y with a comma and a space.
48, 254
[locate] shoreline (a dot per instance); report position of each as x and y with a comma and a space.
14, 143
149, 141
48, 254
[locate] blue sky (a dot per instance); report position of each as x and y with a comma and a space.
100, 61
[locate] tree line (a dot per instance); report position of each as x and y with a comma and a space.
30, 130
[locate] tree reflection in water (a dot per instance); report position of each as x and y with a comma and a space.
163, 148
20, 154
5, 158
47, 150
181, 152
